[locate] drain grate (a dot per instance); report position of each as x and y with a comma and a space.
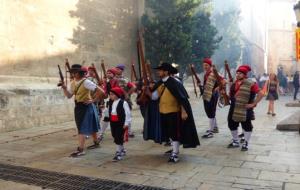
61, 181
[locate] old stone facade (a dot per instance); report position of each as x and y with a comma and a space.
281, 41
35, 36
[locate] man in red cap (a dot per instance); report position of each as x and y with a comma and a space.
128, 87
242, 96
119, 117
210, 97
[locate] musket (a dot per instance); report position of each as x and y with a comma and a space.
193, 70
61, 77
143, 98
195, 89
133, 72
103, 68
222, 88
227, 69
68, 68
149, 72
96, 74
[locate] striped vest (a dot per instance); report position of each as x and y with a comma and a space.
242, 97
209, 87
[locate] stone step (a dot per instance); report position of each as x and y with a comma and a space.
293, 104
290, 123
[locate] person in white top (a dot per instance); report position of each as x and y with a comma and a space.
86, 116
120, 119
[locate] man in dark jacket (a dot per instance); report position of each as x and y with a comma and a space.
296, 84
176, 117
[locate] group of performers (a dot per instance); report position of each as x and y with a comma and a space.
168, 116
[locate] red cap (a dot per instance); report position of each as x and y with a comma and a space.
244, 69
112, 70
91, 68
84, 69
208, 61
117, 91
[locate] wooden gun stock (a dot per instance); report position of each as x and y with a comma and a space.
143, 98
227, 69
149, 72
67, 65
61, 76
222, 87
193, 76
96, 74
103, 68
193, 70
133, 72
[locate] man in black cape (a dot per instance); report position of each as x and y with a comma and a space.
176, 117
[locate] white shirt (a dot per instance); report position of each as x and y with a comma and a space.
263, 78
155, 93
126, 109
87, 84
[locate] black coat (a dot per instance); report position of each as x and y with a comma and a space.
188, 133
296, 80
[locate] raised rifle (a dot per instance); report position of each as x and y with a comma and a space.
143, 97
193, 70
68, 68
61, 77
195, 89
224, 99
96, 74
133, 72
227, 70
149, 72
103, 69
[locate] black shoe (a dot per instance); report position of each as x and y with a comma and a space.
123, 153
117, 157
77, 153
234, 144
216, 130
242, 140
173, 158
95, 145
273, 114
244, 146
207, 135
131, 135
168, 143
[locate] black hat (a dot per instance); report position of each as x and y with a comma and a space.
76, 68
165, 67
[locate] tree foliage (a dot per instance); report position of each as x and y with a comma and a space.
227, 23
174, 32
204, 37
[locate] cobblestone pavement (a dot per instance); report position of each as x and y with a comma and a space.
272, 162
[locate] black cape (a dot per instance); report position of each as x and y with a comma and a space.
188, 133
152, 130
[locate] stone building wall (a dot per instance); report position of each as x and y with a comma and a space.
281, 41
35, 36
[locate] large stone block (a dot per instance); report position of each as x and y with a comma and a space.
24, 107
290, 123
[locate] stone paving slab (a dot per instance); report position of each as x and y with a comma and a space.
8, 185
272, 161
292, 186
